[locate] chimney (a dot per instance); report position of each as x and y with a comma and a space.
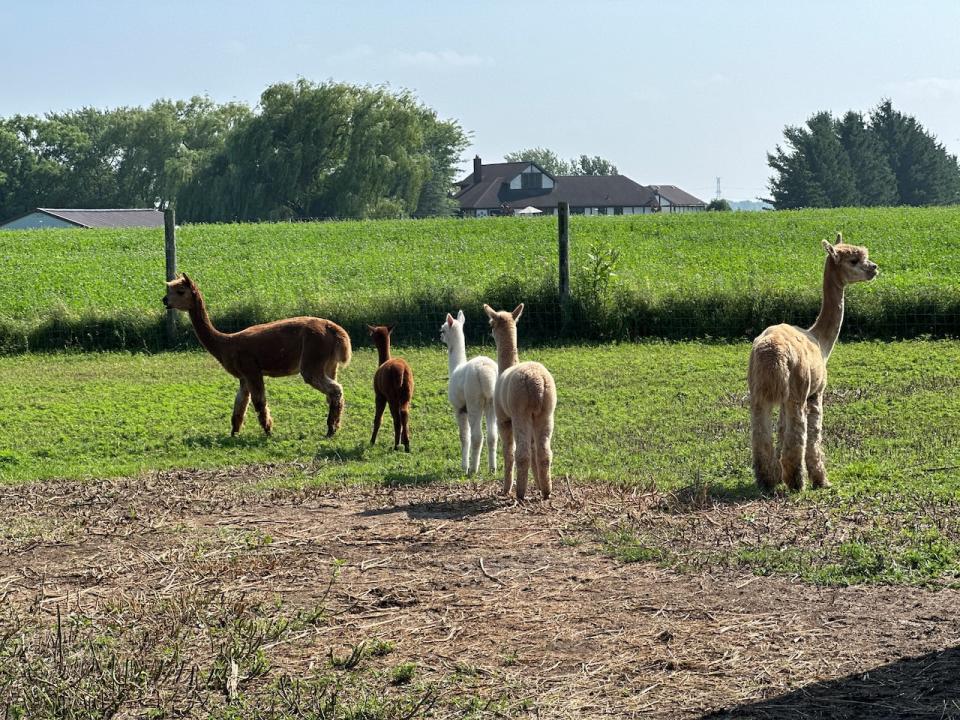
477, 169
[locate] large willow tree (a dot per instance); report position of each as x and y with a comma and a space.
327, 151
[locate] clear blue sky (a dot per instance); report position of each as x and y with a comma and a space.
672, 92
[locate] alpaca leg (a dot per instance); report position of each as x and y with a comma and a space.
405, 427
506, 440
240, 408
463, 422
765, 467
794, 444
523, 435
378, 417
395, 413
332, 389
543, 455
475, 416
814, 458
258, 393
492, 437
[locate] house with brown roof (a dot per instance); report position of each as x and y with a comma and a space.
74, 218
504, 188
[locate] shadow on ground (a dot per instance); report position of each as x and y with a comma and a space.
927, 686
454, 509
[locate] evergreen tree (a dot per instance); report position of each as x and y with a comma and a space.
926, 174
891, 159
876, 183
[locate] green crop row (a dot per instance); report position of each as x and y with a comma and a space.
722, 275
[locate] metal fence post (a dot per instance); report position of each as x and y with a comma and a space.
170, 247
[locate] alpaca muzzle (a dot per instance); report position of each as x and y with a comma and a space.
166, 303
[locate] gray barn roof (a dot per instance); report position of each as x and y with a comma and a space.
108, 218
111, 218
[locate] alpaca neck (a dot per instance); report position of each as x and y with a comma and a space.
507, 350
211, 338
826, 329
383, 349
457, 352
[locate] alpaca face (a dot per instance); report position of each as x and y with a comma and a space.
380, 335
503, 323
451, 328
180, 294
852, 262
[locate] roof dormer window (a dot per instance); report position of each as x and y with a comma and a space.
531, 179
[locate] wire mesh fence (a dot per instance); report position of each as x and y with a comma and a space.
630, 279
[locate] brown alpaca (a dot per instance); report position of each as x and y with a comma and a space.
788, 367
525, 397
311, 346
393, 385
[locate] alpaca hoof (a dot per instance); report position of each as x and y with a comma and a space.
406, 448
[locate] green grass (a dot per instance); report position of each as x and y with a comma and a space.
716, 274
670, 415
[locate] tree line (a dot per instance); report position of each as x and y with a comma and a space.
555, 165
307, 151
886, 158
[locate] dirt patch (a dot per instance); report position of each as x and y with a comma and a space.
450, 600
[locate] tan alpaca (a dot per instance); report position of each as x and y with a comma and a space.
525, 398
788, 367
311, 346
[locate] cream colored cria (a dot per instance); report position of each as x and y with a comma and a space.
788, 368
525, 398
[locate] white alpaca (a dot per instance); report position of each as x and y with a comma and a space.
470, 391
526, 398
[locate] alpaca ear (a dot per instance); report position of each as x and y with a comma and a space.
461, 317
517, 311
491, 313
449, 320
187, 278
370, 329
839, 238
830, 249
390, 328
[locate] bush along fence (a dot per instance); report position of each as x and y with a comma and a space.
584, 299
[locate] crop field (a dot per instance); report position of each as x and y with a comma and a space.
152, 566
686, 276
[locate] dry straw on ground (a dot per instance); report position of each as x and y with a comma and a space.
187, 591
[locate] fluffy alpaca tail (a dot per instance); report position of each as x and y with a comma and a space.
344, 350
406, 385
769, 372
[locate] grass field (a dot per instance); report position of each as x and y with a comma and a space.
685, 276
659, 417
